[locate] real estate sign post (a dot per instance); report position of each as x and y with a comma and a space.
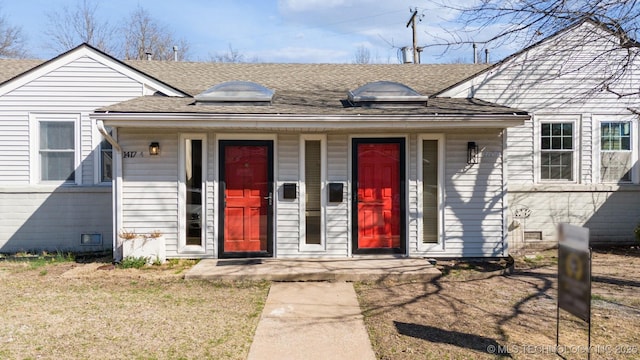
574, 275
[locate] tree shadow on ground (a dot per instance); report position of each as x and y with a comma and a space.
456, 338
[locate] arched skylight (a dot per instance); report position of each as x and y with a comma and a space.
385, 92
236, 92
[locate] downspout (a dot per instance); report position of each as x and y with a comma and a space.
107, 136
115, 188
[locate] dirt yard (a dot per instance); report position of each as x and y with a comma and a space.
75, 311
474, 312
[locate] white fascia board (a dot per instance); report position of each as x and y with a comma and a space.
76, 54
264, 121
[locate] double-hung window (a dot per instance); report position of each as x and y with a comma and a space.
557, 151
56, 148
615, 151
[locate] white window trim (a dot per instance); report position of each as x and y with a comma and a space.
539, 120
34, 137
598, 120
439, 246
97, 158
323, 196
183, 248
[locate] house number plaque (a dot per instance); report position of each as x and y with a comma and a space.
132, 154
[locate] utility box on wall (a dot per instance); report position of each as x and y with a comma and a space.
289, 191
336, 192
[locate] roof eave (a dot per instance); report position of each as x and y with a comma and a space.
310, 122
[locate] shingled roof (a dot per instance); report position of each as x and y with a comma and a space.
194, 78
306, 88
10, 68
300, 88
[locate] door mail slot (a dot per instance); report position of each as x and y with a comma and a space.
335, 192
289, 191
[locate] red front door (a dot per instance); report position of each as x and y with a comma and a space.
247, 198
379, 197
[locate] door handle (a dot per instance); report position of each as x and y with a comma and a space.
270, 198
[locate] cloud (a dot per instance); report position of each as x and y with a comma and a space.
310, 5
381, 24
304, 55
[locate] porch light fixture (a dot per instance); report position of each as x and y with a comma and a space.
472, 153
154, 148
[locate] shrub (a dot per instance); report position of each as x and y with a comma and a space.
133, 262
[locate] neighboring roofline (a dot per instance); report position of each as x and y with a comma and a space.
526, 49
295, 121
24, 77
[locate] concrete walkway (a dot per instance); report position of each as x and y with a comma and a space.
311, 320
353, 269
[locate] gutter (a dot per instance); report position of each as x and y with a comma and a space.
295, 121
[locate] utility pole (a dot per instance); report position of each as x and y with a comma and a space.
412, 22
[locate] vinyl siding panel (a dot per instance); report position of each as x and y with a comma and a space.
586, 148
337, 215
563, 74
78, 87
474, 199
55, 218
520, 153
559, 79
150, 186
287, 210
610, 212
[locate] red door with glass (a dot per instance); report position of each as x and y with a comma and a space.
247, 198
379, 181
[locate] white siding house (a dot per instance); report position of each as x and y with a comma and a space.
576, 159
320, 160
52, 187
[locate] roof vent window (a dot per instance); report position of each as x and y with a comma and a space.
386, 94
236, 92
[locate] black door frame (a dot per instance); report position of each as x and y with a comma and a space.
222, 144
354, 195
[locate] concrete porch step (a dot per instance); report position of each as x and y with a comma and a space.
353, 269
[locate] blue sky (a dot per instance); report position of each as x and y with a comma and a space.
318, 31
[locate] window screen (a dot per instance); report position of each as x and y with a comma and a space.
615, 151
312, 171
430, 191
57, 150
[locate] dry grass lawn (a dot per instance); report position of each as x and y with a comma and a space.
75, 311
471, 310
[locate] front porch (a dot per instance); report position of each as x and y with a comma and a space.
351, 269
